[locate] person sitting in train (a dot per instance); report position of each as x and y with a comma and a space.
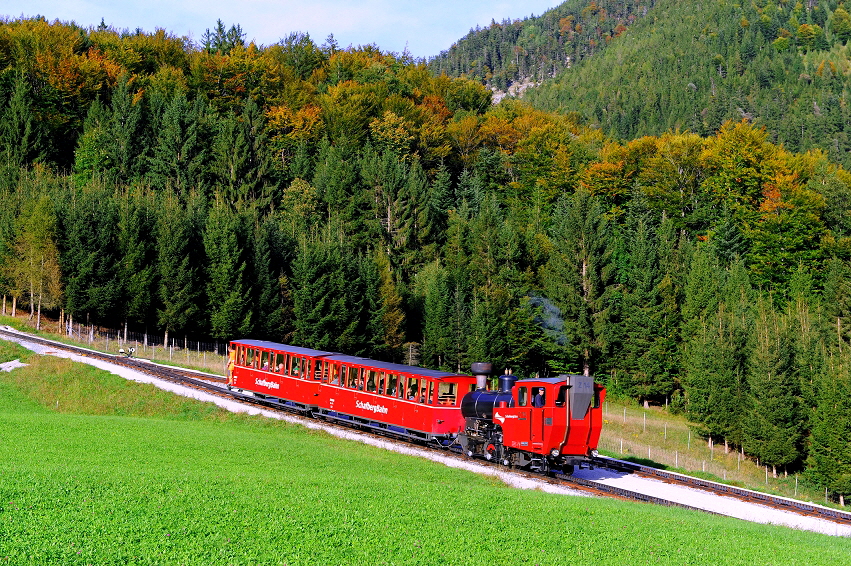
266, 366
539, 399
280, 368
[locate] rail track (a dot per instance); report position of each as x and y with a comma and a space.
215, 384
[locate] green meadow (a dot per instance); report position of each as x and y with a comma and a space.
98, 470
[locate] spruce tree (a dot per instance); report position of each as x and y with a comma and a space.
578, 277
229, 305
772, 426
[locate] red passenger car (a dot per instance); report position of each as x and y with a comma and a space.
276, 371
403, 400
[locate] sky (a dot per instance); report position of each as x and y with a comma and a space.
424, 28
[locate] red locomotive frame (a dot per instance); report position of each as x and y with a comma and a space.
426, 405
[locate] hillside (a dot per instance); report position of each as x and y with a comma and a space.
687, 65
535, 49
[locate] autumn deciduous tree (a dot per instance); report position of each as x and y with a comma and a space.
35, 267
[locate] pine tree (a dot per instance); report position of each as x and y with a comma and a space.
772, 427
578, 276
21, 136
179, 156
829, 459
230, 312
90, 254
123, 130
178, 291
137, 254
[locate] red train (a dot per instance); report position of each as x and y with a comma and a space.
543, 424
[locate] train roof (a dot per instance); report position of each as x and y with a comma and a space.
398, 368
342, 358
285, 347
557, 379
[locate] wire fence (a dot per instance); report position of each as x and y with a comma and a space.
637, 433
206, 355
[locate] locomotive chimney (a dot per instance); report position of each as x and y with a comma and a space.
481, 370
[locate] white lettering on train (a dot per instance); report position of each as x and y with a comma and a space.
370, 407
267, 384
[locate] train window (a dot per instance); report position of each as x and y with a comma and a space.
392, 382
400, 390
596, 399
382, 381
370, 381
472, 387
354, 377
446, 393
539, 399
296, 364
322, 370
562, 395
522, 396
430, 393
307, 369
249, 357
264, 361
412, 389
335, 374
279, 363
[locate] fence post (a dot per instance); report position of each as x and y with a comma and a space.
676, 458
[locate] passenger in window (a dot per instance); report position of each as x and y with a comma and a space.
539, 400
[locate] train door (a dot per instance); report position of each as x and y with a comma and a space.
523, 432
536, 420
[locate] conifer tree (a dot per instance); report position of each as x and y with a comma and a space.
137, 253
21, 136
829, 459
178, 290
772, 427
227, 289
579, 275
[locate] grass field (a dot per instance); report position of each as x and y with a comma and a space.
651, 436
163, 480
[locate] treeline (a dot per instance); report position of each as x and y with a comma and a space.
348, 200
538, 48
696, 65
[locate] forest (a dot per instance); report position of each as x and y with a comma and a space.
648, 67
351, 200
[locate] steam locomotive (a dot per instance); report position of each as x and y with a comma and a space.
542, 424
